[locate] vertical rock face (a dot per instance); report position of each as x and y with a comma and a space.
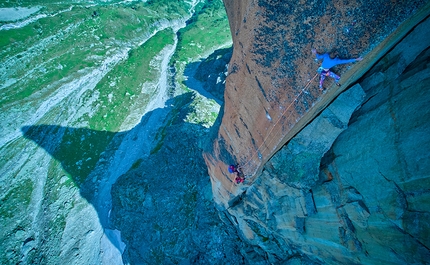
277, 211
271, 88
383, 157
353, 186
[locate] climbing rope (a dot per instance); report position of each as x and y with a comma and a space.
259, 150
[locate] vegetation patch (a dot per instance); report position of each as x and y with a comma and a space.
123, 85
16, 200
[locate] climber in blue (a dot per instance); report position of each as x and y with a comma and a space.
329, 60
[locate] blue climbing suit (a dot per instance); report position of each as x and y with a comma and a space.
328, 63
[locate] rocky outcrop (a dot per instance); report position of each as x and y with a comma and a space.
352, 186
277, 211
383, 157
212, 72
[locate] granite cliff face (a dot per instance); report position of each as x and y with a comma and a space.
271, 85
333, 177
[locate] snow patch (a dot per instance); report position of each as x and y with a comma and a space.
30, 20
17, 13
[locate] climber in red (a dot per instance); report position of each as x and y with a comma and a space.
330, 60
239, 179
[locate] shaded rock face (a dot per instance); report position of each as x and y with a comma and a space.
277, 210
163, 206
271, 89
384, 157
212, 72
353, 186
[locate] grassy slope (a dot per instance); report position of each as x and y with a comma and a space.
207, 30
53, 61
41, 64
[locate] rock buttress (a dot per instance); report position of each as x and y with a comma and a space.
367, 200
271, 89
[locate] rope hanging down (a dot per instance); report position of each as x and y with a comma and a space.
259, 150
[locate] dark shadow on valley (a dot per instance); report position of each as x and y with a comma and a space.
161, 204
79, 150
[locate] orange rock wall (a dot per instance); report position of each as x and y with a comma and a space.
272, 86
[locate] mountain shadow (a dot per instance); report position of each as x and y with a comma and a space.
81, 150
161, 200
208, 75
